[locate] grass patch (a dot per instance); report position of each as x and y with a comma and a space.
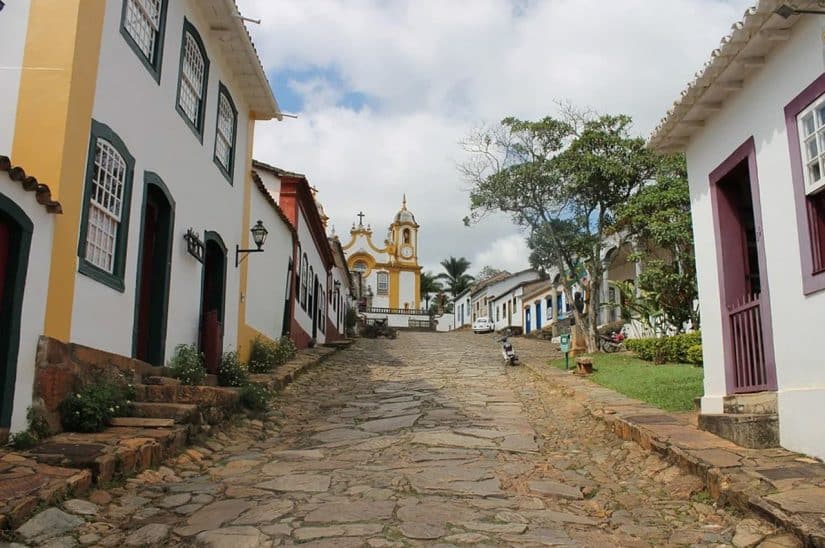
669, 386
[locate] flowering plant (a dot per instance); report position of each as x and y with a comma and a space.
89, 409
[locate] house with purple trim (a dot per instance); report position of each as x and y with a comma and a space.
752, 126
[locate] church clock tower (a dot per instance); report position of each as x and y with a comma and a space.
404, 236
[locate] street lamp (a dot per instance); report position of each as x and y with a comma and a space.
259, 233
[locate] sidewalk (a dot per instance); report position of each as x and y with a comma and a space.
68, 464
784, 487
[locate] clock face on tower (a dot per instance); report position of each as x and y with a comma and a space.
406, 251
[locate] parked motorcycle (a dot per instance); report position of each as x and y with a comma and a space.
507, 351
613, 342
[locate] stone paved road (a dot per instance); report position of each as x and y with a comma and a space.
426, 440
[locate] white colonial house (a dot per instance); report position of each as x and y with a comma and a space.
507, 303
462, 313
341, 297
313, 260
480, 297
142, 130
752, 125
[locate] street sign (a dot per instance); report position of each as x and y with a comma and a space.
564, 341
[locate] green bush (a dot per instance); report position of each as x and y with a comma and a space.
694, 354
665, 349
265, 355
89, 409
255, 397
22, 440
187, 364
231, 372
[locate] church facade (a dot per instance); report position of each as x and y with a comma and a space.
389, 272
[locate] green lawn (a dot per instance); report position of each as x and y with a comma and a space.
671, 387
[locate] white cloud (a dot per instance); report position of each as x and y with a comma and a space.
434, 69
507, 253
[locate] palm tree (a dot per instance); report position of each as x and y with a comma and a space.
455, 273
429, 285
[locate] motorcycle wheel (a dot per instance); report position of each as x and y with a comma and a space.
610, 347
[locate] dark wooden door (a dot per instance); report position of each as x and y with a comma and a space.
314, 309
212, 306
7, 368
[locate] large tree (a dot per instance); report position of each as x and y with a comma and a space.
658, 219
455, 274
563, 180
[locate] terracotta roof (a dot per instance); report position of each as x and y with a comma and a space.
536, 288
42, 193
278, 171
741, 52
268, 197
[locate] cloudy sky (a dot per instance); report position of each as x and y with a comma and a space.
385, 89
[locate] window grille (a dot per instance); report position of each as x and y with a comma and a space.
108, 179
191, 80
142, 22
383, 283
225, 132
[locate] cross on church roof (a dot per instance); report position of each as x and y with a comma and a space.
360, 218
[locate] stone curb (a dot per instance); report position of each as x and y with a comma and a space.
738, 485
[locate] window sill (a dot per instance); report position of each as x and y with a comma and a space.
88, 269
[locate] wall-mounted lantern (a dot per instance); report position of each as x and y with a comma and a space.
786, 10
259, 233
194, 244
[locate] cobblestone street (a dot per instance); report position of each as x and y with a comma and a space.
423, 440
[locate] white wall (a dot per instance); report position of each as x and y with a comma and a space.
267, 271
337, 314
310, 247
142, 113
34, 295
758, 111
458, 321
14, 21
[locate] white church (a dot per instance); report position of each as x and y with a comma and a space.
389, 272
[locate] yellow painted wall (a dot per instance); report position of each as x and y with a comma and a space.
246, 334
395, 284
53, 121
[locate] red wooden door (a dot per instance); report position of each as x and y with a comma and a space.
149, 256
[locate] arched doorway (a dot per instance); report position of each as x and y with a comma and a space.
212, 301
15, 241
153, 272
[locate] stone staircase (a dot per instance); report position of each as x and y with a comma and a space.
749, 420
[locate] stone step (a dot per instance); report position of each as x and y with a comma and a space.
157, 379
183, 413
755, 431
141, 422
758, 403
214, 403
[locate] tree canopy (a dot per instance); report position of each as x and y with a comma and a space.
455, 274
563, 180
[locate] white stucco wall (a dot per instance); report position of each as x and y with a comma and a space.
142, 113
758, 111
310, 247
34, 295
459, 319
14, 20
267, 271
337, 313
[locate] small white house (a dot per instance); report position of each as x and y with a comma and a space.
507, 305
752, 125
462, 313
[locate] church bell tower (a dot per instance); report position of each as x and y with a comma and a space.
404, 236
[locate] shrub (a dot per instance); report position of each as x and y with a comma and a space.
265, 355
22, 440
231, 371
89, 409
187, 364
694, 354
255, 397
665, 349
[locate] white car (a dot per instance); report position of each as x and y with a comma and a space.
483, 325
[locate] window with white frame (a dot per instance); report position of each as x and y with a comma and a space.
143, 25
811, 123
106, 207
383, 283
194, 71
225, 132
